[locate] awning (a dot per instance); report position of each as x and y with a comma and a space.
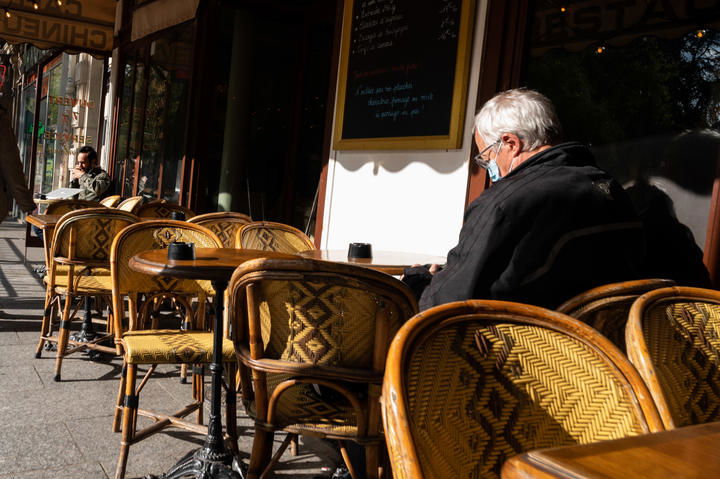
161, 14
76, 25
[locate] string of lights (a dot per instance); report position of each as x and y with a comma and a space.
602, 48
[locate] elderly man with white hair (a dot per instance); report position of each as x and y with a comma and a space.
552, 225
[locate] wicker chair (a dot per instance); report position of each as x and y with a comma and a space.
300, 323
269, 236
161, 209
79, 267
131, 204
469, 384
673, 340
145, 346
111, 201
60, 208
225, 224
65, 206
606, 308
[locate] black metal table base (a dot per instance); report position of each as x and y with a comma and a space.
213, 460
204, 463
87, 331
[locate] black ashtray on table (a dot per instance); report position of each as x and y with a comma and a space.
360, 251
181, 250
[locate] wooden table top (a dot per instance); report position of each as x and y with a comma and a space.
210, 263
43, 221
685, 452
391, 262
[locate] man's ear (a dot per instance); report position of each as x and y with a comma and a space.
513, 143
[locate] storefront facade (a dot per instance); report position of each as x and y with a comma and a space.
636, 80
231, 105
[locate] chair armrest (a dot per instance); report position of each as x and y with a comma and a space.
307, 370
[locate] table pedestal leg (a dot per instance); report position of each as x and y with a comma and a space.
213, 460
87, 332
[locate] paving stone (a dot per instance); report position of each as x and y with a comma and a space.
19, 378
90, 470
34, 446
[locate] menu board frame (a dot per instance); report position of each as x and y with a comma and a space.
453, 140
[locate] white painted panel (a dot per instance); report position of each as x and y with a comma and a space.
402, 200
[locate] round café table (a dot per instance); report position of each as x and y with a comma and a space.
390, 262
212, 460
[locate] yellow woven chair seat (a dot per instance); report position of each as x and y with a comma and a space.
171, 346
99, 281
301, 407
62, 270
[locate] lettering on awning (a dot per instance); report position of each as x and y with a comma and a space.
75, 25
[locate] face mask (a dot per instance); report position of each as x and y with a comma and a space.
493, 171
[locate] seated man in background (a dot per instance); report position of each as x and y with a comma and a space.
88, 176
552, 225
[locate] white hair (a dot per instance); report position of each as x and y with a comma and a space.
526, 113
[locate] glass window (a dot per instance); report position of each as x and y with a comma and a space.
640, 83
27, 122
68, 117
151, 134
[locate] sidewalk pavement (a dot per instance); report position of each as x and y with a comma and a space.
63, 430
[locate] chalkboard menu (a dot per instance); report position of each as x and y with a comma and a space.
403, 74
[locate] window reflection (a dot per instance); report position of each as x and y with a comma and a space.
646, 98
151, 134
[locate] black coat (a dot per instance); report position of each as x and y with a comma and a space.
554, 227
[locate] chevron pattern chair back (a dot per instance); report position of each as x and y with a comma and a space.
87, 234
146, 235
673, 337
161, 209
269, 236
65, 206
606, 307
111, 201
60, 208
131, 204
469, 384
225, 224
300, 323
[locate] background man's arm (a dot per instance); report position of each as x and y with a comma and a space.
12, 171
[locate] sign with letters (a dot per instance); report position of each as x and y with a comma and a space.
595, 22
75, 25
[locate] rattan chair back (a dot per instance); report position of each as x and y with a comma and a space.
269, 236
469, 384
85, 236
65, 206
146, 235
225, 224
302, 322
111, 201
161, 209
131, 204
673, 337
606, 307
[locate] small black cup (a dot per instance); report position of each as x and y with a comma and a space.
180, 250
177, 215
360, 250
